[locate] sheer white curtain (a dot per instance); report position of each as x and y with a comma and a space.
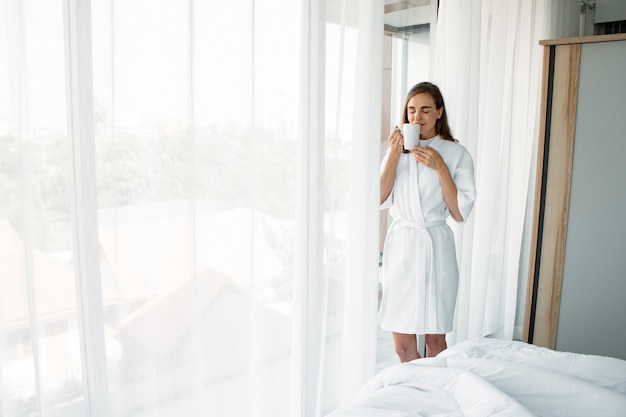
340, 115
188, 217
488, 64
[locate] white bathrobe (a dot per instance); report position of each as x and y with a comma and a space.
419, 272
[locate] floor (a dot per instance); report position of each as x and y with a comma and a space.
385, 352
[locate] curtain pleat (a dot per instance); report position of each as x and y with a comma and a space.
361, 288
310, 288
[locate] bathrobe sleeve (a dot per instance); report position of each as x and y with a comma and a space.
463, 177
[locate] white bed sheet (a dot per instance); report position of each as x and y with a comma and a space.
490, 377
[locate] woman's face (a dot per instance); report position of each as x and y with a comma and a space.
421, 110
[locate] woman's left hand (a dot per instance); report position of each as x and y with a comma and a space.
432, 159
429, 157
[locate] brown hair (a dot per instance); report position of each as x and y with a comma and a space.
441, 127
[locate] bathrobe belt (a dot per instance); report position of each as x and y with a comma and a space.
425, 290
417, 225
423, 227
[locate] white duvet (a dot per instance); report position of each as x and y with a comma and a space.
489, 377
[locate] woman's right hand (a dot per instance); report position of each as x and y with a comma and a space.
396, 141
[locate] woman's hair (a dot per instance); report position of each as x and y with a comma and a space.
441, 127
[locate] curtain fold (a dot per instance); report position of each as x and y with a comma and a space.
488, 65
347, 113
188, 206
360, 321
311, 289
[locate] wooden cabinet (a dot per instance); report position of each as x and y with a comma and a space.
576, 295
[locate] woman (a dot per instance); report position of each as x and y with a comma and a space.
423, 187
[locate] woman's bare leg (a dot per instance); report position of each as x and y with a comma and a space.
435, 343
406, 346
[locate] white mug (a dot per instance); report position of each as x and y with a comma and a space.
411, 135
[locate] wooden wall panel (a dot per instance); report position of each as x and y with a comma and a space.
558, 145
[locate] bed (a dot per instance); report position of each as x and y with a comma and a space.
491, 377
